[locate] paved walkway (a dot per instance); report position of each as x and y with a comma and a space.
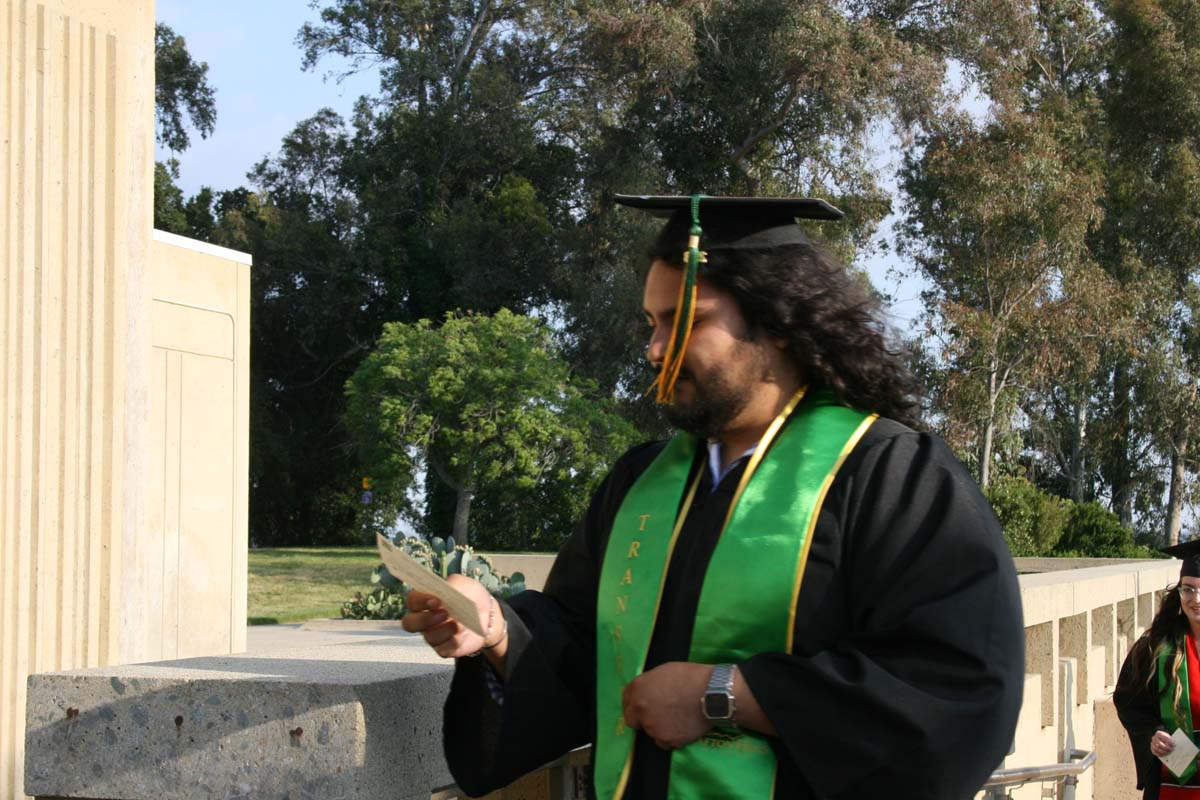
315, 633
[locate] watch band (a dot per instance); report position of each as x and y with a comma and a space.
721, 679
720, 693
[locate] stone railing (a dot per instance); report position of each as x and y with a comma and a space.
362, 718
1079, 624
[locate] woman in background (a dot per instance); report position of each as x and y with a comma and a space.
1159, 687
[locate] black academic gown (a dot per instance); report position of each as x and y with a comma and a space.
1137, 708
909, 662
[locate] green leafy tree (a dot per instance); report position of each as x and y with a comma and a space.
193, 216
315, 313
464, 196
1150, 240
182, 94
997, 224
336, 253
748, 97
479, 178
485, 403
169, 213
579, 100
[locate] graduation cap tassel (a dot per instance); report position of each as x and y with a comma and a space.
685, 310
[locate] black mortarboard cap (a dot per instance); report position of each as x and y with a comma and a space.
1189, 553
734, 223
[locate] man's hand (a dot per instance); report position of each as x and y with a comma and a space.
665, 703
449, 639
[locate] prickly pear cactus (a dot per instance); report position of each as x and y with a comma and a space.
456, 560
516, 585
381, 577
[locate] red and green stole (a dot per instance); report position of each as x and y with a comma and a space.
759, 560
1175, 718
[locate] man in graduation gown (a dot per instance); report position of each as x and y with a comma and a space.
797, 596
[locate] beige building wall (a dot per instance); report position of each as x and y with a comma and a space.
199, 427
122, 392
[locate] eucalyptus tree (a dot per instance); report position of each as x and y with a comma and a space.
759, 97
999, 216
1152, 232
997, 224
462, 190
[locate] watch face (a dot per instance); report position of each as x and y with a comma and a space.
716, 705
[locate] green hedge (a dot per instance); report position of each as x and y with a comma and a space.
1094, 531
1037, 523
1033, 521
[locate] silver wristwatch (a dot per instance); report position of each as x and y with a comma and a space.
718, 704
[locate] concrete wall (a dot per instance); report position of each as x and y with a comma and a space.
122, 491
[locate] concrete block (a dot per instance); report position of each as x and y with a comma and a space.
1099, 590
1073, 644
1041, 651
1104, 635
1045, 598
341, 722
1115, 777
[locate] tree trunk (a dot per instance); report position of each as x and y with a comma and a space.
462, 513
1175, 501
989, 429
1179, 449
464, 494
1122, 479
440, 499
1078, 467
985, 455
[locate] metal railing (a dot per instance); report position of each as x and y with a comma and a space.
565, 778
1079, 762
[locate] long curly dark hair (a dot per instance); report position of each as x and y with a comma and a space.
1166, 632
832, 325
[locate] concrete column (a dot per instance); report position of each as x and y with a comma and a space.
76, 199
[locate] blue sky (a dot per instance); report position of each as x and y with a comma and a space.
254, 66
261, 91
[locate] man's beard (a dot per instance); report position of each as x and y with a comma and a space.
714, 404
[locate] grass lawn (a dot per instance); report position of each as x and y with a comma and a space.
294, 584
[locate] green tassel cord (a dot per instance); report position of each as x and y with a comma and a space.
685, 310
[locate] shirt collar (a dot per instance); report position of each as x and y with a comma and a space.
714, 461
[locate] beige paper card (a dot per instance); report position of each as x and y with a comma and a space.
1185, 750
406, 568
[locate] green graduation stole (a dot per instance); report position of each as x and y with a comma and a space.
764, 544
1171, 716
